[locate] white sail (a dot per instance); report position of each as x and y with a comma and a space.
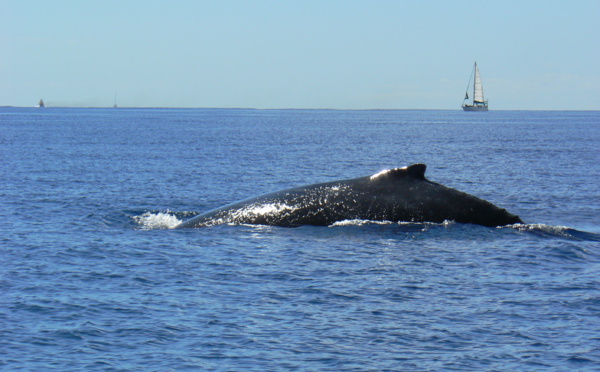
478, 87
479, 103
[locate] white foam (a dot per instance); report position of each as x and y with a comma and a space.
359, 222
160, 220
539, 227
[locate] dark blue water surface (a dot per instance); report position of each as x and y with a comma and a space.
93, 277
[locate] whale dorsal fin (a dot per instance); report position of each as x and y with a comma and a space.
416, 171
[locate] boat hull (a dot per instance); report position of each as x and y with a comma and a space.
475, 108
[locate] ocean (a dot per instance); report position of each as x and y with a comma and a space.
94, 277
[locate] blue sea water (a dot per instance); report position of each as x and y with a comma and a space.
93, 277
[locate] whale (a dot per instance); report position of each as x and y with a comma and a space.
394, 195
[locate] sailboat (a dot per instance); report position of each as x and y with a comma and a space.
479, 103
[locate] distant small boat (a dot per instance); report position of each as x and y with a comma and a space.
41, 103
478, 103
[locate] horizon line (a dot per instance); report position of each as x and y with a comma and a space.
289, 108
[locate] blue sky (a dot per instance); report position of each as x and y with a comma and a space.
537, 55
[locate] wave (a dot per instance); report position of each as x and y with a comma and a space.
157, 220
540, 230
164, 220
556, 231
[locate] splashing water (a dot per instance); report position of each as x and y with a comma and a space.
159, 220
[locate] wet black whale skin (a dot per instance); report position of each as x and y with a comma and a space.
401, 194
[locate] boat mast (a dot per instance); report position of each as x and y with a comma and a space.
475, 82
